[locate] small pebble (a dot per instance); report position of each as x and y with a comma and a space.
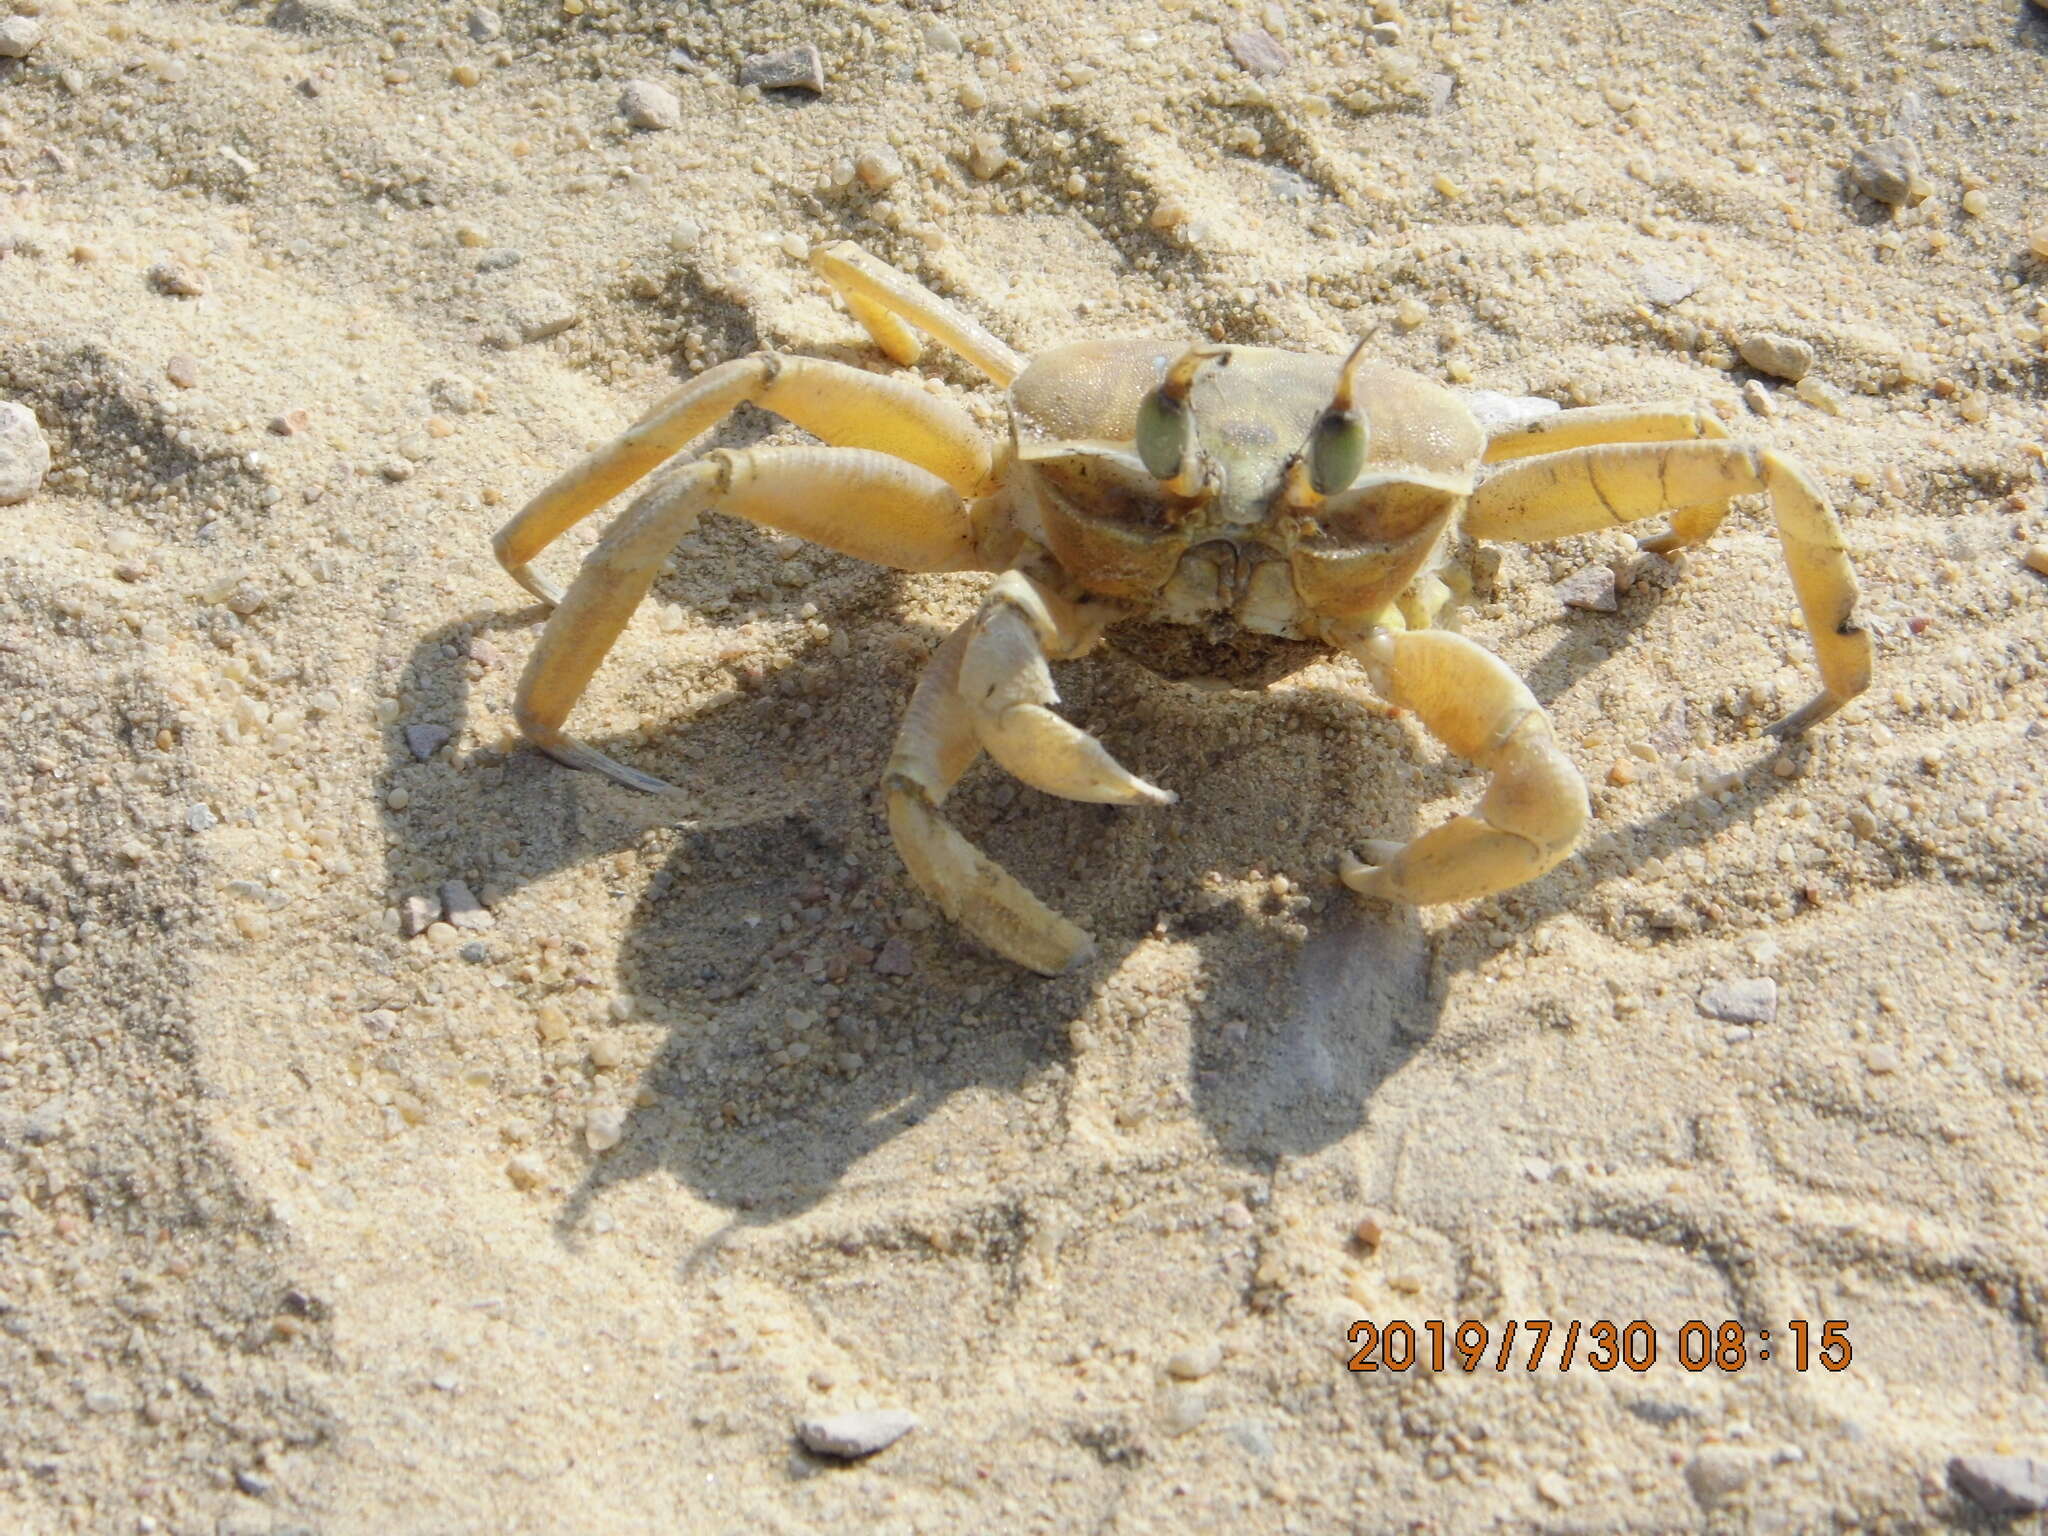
19, 36
985, 156
1717, 1472
1662, 288
170, 277
2037, 559
499, 258
605, 1053
895, 958
182, 371
646, 104
24, 453
199, 817
879, 169
484, 24
1256, 52
291, 423
1758, 399
418, 915
850, 1436
1235, 1215
463, 909
1185, 1410
1889, 171
2002, 1485
544, 314
452, 392
423, 741
1819, 394
1782, 357
474, 952
792, 69
1195, 1362
1591, 588
1753, 1000
1882, 1060
604, 1128
526, 1170
1975, 203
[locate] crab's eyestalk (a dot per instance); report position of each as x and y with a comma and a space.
1165, 430
1337, 444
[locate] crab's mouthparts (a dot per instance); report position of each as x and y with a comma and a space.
1247, 579
1237, 564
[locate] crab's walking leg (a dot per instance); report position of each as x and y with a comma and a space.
842, 405
989, 686
1595, 424
862, 503
883, 300
1535, 807
1583, 489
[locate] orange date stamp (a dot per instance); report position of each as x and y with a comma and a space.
1472, 1346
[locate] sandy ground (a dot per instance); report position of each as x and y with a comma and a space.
301, 1225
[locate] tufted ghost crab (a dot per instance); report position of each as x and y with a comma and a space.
1219, 509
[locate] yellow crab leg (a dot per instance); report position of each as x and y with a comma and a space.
988, 686
854, 500
883, 299
842, 405
1582, 489
1535, 808
1594, 424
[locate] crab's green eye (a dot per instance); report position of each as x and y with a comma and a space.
1165, 432
1336, 451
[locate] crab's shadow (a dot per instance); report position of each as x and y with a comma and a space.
814, 1004
814, 1007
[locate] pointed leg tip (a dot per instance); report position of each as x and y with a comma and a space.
1369, 876
1804, 718
1079, 957
538, 585
575, 754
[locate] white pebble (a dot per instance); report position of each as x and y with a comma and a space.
985, 157
1753, 1000
463, 909
878, 169
851, 1435
604, 1128
19, 36
544, 313
1195, 1362
452, 392
24, 453
646, 104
